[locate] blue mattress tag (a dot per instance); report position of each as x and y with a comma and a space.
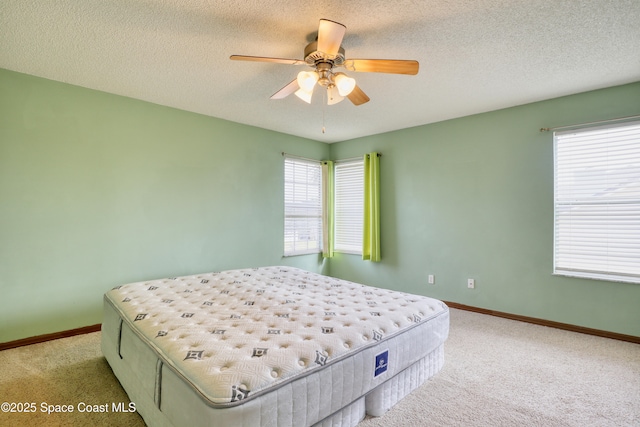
382, 363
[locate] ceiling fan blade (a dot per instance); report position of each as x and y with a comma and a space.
287, 90
266, 59
357, 96
393, 66
330, 35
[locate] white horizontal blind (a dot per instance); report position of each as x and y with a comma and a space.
349, 206
597, 203
302, 206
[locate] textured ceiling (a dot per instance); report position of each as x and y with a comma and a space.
475, 55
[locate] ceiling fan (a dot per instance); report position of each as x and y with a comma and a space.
325, 55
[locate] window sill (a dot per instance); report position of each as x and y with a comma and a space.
595, 276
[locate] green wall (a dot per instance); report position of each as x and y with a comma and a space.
98, 190
473, 198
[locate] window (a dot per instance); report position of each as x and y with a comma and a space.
349, 206
302, 206
597, 203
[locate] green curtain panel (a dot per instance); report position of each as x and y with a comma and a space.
327, 209
371, 231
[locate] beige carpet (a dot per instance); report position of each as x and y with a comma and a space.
497, 372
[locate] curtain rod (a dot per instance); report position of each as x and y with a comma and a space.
353, 158
590, 123
300, 157
314, 160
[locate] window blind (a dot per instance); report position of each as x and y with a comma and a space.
302, 206
597, 202
349, 206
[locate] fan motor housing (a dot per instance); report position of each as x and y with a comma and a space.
313, 56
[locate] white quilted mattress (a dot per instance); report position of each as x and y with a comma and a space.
234, 336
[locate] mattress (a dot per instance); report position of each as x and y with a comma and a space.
268, 346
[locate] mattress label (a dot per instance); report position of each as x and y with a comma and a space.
382, 363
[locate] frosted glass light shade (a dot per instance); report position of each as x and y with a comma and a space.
345, 84
333, 96
307, 80
304, 95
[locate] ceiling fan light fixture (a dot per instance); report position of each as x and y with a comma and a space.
304, 95
344, 83
307, 80
333, 96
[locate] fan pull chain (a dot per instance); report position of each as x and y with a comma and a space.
324, 106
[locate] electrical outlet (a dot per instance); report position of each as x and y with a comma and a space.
432, 279
471, 283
